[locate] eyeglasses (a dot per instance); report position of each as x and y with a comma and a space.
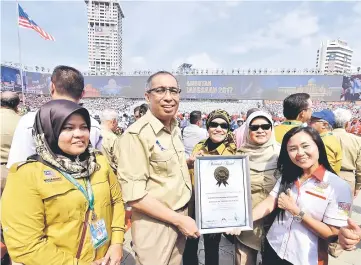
161, 91
264, 127
216, 124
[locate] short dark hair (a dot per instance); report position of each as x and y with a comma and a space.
294, 104
136, 109
195, 116
143, 109
68, 81
10, 100
250, 111
149, 80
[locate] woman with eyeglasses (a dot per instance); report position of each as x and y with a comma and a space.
63, 205
311, 203
219, 142
262, 150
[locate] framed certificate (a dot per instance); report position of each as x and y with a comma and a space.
222, 194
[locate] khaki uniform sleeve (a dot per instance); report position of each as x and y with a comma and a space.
333, 156
108, 148
133, 166
23, 222
196, 149
118, 222
358, 171
339, 155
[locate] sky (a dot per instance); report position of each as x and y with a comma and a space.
208, 34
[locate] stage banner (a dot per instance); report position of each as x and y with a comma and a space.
37, 83
271, 87
351, 88
10, 79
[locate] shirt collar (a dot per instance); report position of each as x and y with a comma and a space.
319, 173
293, 121
322, 135
106, 129
219, 150
339, 130
7, 110
157, 125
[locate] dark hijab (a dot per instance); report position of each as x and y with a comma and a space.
51, 118
48, 124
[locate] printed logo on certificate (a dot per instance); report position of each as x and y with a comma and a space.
223, 194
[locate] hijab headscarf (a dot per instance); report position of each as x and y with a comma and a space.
222, 114
48, 124
261, 157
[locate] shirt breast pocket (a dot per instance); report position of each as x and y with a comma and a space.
314, 203
161, 161
62, 204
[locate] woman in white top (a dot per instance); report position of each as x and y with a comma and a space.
311, 201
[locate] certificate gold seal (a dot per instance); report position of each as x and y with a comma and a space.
221, 174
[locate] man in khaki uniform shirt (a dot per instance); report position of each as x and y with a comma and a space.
297, 109
323, 121
351, 148
109, 125
153, 172
9, 118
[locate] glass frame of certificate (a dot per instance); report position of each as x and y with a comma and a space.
222, 193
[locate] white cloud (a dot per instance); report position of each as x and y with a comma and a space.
357, 8
137, 62
297, 25
208, 34
232, 3
223, 14
201, 60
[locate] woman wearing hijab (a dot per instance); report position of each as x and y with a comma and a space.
262, 150
219, 142
64, 204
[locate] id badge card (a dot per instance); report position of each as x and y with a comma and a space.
99, 233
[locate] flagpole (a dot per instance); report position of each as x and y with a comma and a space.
19, 48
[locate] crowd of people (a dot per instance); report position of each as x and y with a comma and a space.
69, 179
234, 107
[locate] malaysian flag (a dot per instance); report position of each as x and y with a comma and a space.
26, 22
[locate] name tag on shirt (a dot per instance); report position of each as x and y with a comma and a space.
99, 233
161, 147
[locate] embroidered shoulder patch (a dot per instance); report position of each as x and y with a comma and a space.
344, 208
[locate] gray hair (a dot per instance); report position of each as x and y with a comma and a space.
148, 84
342, 116
108, 115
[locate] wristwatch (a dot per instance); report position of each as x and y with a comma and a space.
298, 218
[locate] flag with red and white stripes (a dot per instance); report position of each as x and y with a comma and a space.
26, 22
